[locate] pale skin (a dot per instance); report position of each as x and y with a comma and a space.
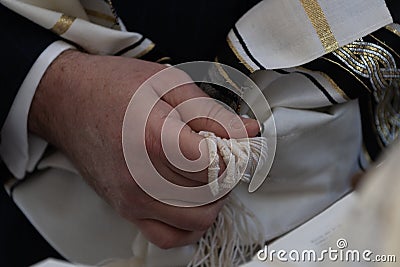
79, 108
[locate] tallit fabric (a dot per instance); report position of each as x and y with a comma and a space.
318, 143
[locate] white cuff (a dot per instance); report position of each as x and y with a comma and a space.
19, 149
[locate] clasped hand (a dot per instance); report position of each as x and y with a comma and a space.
79, 107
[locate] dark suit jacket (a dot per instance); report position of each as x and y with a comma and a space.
21, 43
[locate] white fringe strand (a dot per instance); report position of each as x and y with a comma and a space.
237, 234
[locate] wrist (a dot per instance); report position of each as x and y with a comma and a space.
53, 103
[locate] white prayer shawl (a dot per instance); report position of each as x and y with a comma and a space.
286, 33
318, 143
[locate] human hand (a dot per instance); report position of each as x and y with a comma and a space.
79, 107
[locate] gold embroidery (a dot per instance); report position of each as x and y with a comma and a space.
386, 45
63, 24
369, 61
377, 64
351, 73
237, 54
334, 85
163, 59
100, 15
226, 76
110, 4
320, 24
147, 50
393, 30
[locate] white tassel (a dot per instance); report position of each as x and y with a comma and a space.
237, 233
233, 239
241, 157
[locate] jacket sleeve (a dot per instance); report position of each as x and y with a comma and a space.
22, 41
27, 51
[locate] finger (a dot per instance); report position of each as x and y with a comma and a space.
195, 155
141, 205
205, 114
166, 236
176, 176
175, 144
224, 123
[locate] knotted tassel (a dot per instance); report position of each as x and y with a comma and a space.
237, 234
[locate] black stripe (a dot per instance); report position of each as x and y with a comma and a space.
320, 87
314, 81
132, 46
241, 41
352, 87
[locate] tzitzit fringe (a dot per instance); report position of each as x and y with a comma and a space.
237, 234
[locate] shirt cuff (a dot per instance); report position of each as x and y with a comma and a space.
20, 150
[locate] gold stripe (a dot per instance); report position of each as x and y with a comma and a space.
351, 73
100, 15
320, 24
239, 56
163, 59
225, 75
334, 85
147, 50
386, 45
393, 30
63, 24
